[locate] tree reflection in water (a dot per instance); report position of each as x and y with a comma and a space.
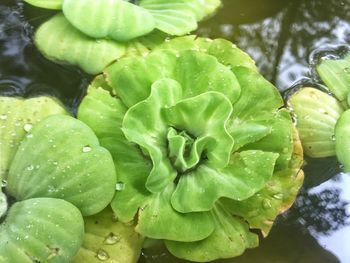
282, 42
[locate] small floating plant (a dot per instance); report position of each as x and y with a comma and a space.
322, 115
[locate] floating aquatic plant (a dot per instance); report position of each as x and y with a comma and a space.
57, 173
322, 116
202, 145
92, 34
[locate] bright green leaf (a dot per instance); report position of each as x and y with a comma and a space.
246, 174
173, 18
104, 114
116, 19
68, 45
230, 239
65, 161
336, 75
41, 230
144, 126
159, 220
15, 123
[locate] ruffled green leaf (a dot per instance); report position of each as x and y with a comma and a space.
230, 238
342, 139
276, 137
279, 140
98, 110
107, 239
209, 76
279, 193
204, 117
246, 174
84, 175
17, 116
68, 45
104, 114
254, 89
132, 78
116, 19
336, 75
248, 132
158, 220
48, 4
41, 230
225, 52
316, 115
144, 126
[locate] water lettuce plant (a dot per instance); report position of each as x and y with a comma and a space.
200, 163
92, 34
322, 116
55, 173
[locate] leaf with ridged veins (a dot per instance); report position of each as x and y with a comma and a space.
115, 19
15, 124
41, 230
65, 161
316, 115
68, 45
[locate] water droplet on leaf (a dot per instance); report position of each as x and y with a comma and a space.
111, 239
3, 183
86, 149
102, 255
27, 127
120, 186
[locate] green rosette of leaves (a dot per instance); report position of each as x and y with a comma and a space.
203, 148
322, 116
93, 34
55, 172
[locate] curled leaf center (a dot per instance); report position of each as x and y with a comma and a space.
183, 150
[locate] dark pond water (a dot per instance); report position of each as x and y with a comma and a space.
280, 35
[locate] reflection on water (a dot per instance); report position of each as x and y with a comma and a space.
282, 42
23, 71
280, 35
